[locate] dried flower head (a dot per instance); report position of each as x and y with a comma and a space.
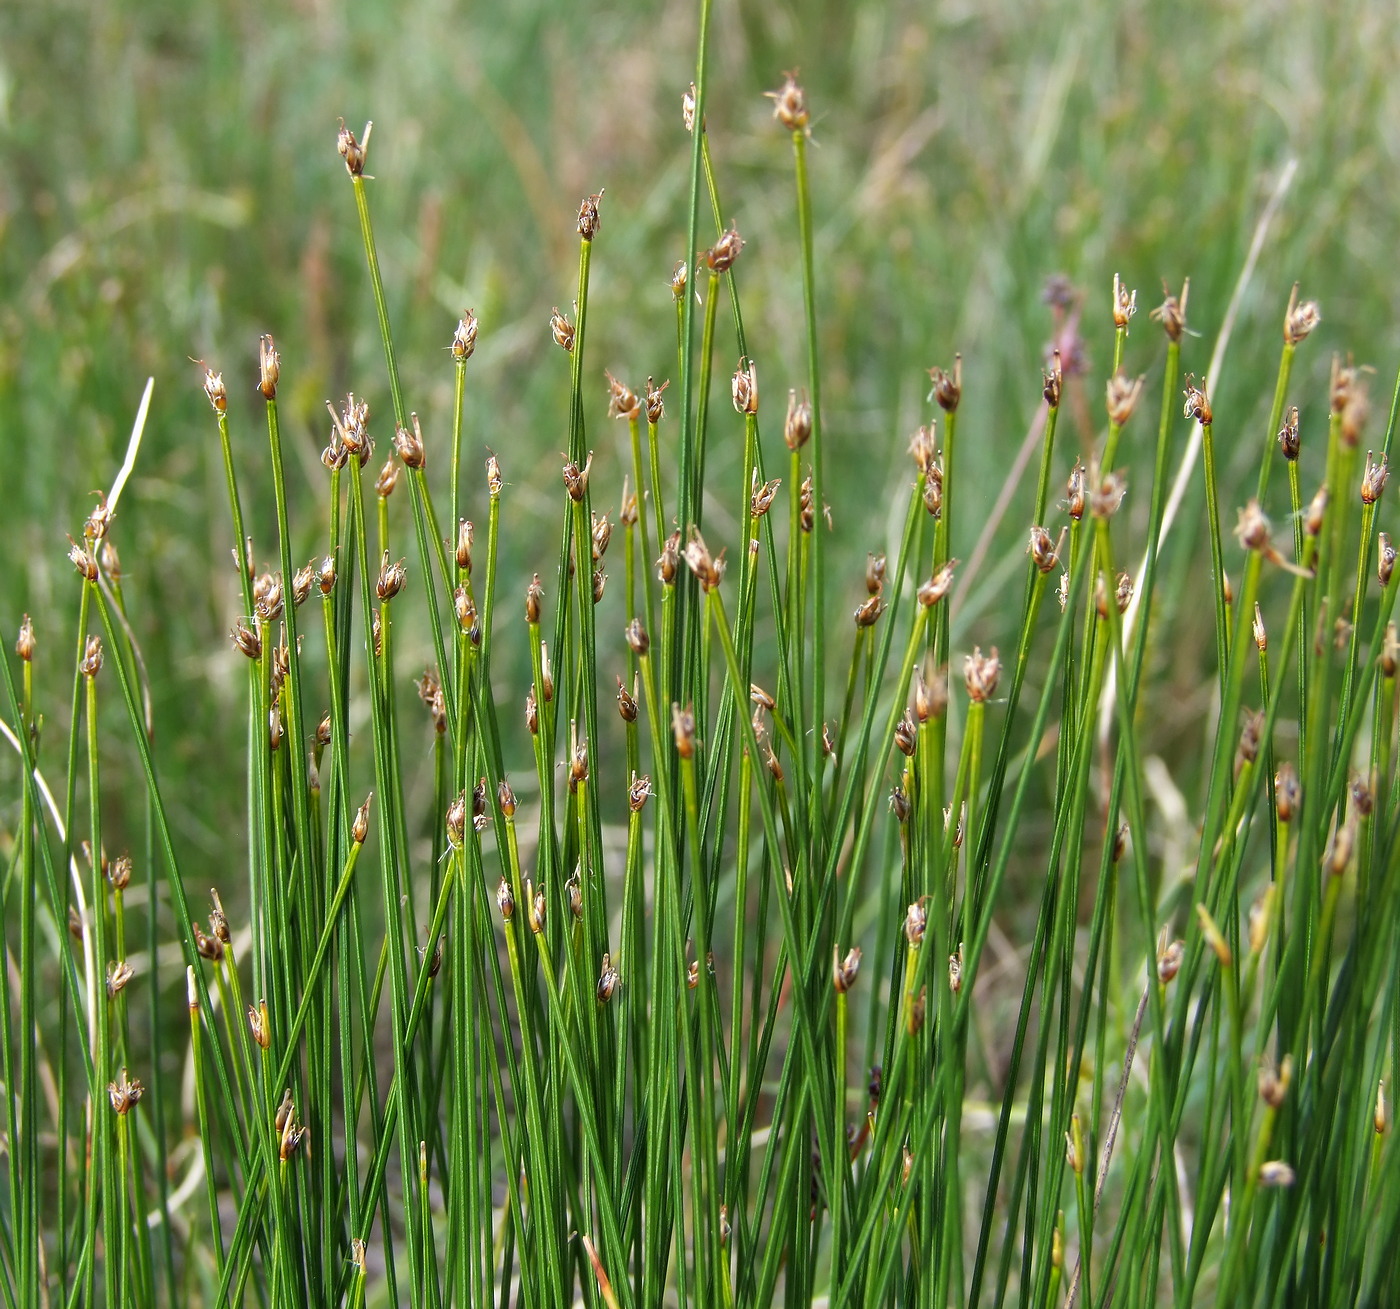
387, 480
124, 1093
91, 663
626, 702
1043, 550
608, 980
1288, 440
679, 276
947, 386
655, 406
683, 730
1385, 559
118, 975
82, 561
1299, 320
351, 150
668, 562
588, 221
576, 478
797, 427
938, 586
1121, 397
688, 107
867, 613
637, 640
409, 444
744, 387
259, 1026
464, 337
1275, 1173
1054, 380
790, 105
24, 644
915, 924
843, 971
391, 579
215, 390
1124, 304
269, 366
761, 501
1374, 479
720, 257
1171, 954
562, 330
1075, 491
1171, 313
1105, 499
707, 569
980, 672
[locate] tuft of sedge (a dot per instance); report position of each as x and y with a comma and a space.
906, 734
532, 712
546, 676
1299, 319
578, 766
429, 688
325, 574
588, 219
269, 599
1250, 735
1124, 304
353, 150
1106, 497
455, 820
790, 105
119, 872
1337, 857
464, 337
1171, 313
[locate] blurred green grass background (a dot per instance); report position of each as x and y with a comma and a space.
169, 189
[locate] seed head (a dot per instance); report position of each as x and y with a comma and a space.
269, 366
915, 924
82, 561
1171, 313
1259, 914
464, 338
637, 640
1316, 513
1124, 304
1214, 938
1275, 1173
669, 560
679, 274
391, 579
1374, 479
744, 387
602, 534
1250, 736
387, 480
546, 676
1074, 491
937, 586
874, 573
1253, 528
124, 1093
268, 598
1288, 439
930, 697
683, 729
532, 712
91, 663
1121, 397
761, 501
797, 427
24, 644
947, 386
688, 108
576, 478
536, 908
1390, 651
98, 521
720, 257
790, 105
534, 595
118, 975
465, 608
409, 444
906, 734
899, 805
1043, 551
843, 971
1054, 381
259, 1026
215, 390
655, 406
867, 613
359, 829
626, 702
562, 330
1337, 856
1197, 404
578, 766
493, 477
1299, 319
588, 221
505, 900
1108, 495
637, 792
622, 400
1261, 636
1385, 559
707, 569
608, 980
351, 150
1349, 400
119, 872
